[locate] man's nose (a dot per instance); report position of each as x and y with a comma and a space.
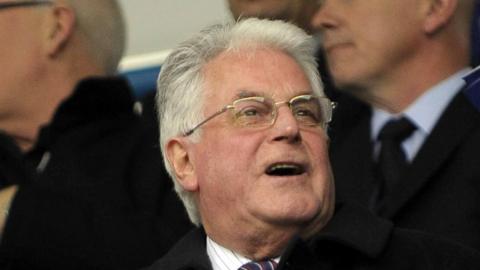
286, 126
324, 17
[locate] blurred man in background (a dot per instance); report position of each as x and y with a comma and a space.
82, 184
410, 152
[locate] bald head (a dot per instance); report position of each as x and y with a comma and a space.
102, 24
48, 48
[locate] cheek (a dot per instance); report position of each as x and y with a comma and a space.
362, 61
318, 152
390, 39
225, 158
223, 172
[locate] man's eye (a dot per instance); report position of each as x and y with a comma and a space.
302, 112
306, 114
251, 112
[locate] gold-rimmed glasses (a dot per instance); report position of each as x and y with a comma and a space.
257, 111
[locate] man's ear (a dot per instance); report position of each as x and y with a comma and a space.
181, 163
60, 28
438, 13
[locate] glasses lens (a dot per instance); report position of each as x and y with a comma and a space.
253, 111
307, 110
311, 111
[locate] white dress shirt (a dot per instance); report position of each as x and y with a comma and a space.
424, 113
225, 259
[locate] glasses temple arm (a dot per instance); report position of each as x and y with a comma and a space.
190, 131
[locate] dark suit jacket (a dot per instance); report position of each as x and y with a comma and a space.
440, 192
472, 90
101, 199
354, 239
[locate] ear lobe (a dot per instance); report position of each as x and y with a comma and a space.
179, 159
60, 28
438, 13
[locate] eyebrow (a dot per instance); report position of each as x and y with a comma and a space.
244, 93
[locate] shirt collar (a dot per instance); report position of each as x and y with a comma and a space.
425, 110
226, 259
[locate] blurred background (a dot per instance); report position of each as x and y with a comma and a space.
156, 26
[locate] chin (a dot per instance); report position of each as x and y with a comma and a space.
295, 213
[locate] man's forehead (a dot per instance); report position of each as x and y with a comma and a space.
248, 52
255, 72
237, 61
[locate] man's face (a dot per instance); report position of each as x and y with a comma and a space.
368, 41
20, 55
235, 189
299, 12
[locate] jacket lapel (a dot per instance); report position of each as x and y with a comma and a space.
188, 253
455, 123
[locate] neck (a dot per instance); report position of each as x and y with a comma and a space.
25, 116
408, 80
254, 243
24, 120
24, 131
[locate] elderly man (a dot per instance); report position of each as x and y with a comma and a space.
243, 129
82, 185
411, 153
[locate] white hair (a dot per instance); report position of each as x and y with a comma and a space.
103, 25
180, 83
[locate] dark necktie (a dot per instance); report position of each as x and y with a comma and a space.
261, 265
391, 160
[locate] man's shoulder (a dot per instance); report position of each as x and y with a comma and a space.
97, 139
357, 238
101, 114
460, 121
410, 249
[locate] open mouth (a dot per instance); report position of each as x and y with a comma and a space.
285, 169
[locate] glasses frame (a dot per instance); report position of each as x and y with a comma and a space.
274, 112
13, 4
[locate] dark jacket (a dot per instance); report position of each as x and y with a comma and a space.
472, 89
439, 192
353, 239
99, 197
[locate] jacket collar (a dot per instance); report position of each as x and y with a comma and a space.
92, 99
356, 228
189, 253
352, 227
